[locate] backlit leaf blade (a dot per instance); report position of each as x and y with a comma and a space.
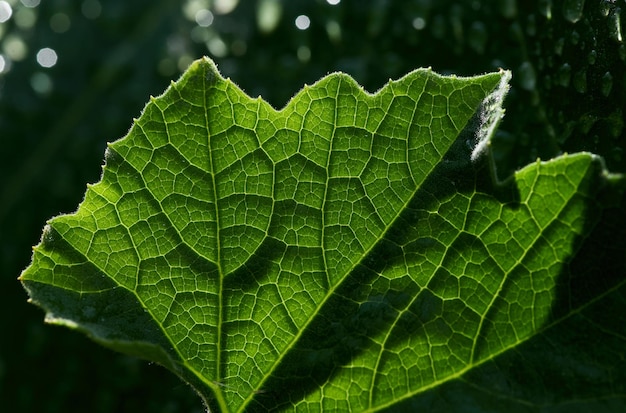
334, 254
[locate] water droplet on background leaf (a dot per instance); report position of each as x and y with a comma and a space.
573, 10
579, 81
607, 84
615, 28
605, 8
558, 46
586, 122
545, 8
591, 57
615, 123
563, 75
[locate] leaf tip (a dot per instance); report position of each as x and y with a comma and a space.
491, 113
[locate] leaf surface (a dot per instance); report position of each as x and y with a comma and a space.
342, 253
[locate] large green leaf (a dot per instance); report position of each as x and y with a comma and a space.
343, 253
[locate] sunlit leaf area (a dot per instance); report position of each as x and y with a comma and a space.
284, 237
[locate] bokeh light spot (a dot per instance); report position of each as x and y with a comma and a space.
91, 9
60, 22
25, 18
268, 15
419, 23
304, 54
41, 83
14, 48
31, 3
204, 17
5, 11
47, 57
303, 22
217, 47
224, 6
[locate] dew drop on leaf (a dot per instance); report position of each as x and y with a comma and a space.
564, 74
605, 8
558, 46
615, 123
586, 123
615, 27
573, 10
579, 81
545, 8
591, 57
607, 84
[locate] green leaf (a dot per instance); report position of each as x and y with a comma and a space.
342, 253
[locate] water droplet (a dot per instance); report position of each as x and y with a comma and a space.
573, 10
615, 28
333, 29
607, 84
579, 81
605, 8
591, 57
545, 8
575, 37
419, 23
616, 123
558, 46
477, 37
586, 122
527, 76
563, 75
268, 15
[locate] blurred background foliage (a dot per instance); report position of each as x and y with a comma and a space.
73, 74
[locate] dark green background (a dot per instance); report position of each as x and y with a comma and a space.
567, 96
